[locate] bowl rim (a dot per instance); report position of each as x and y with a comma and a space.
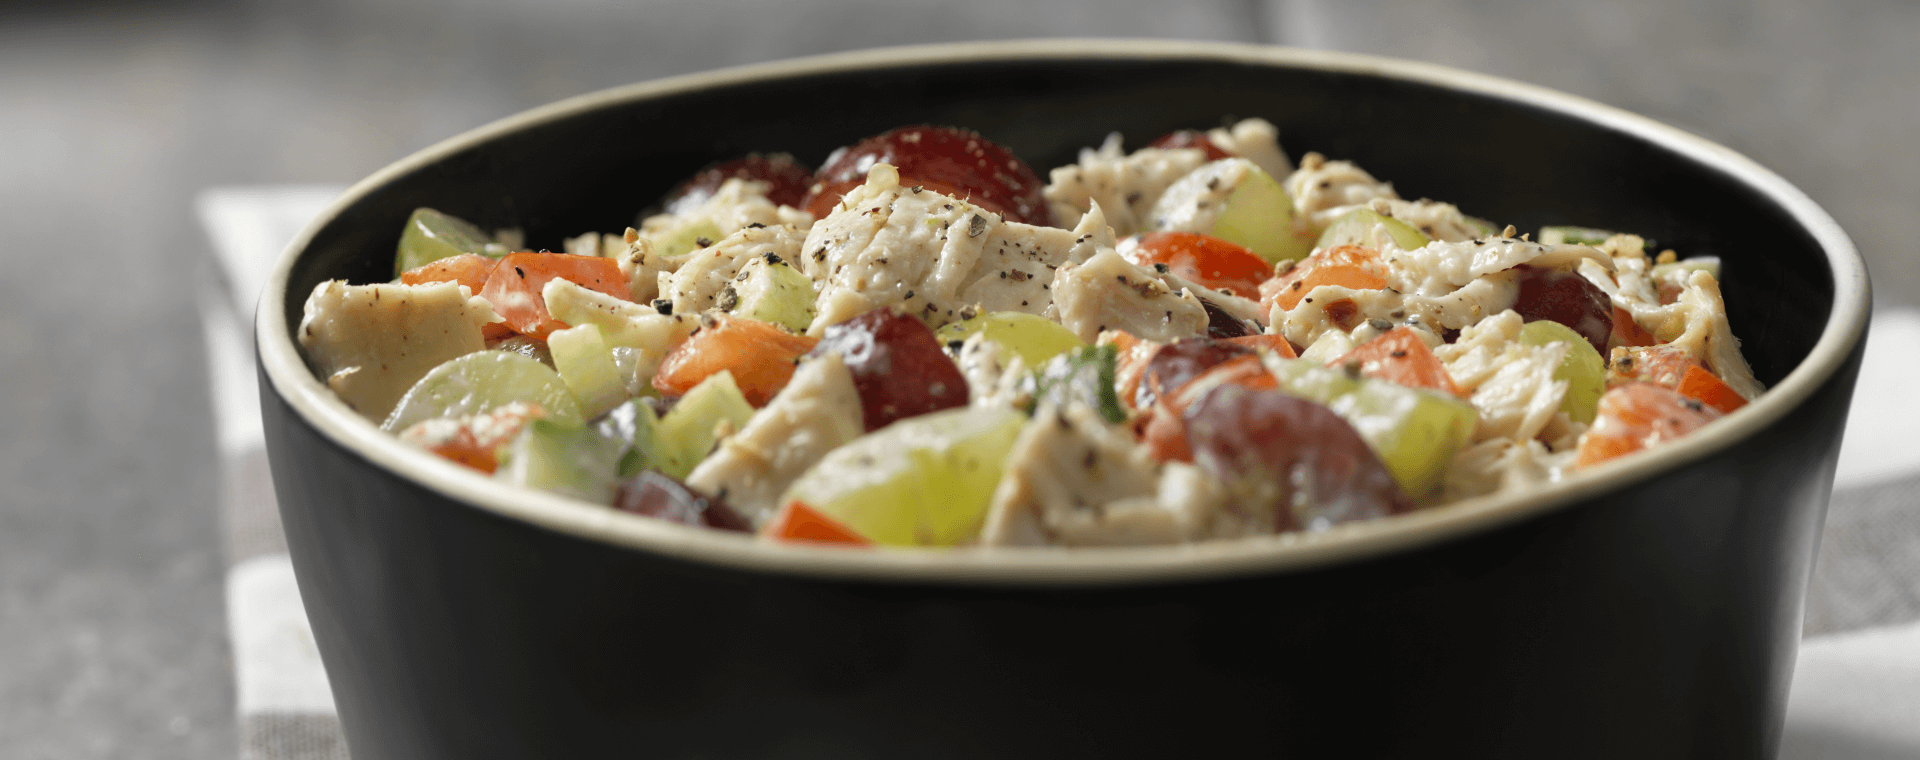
297, 386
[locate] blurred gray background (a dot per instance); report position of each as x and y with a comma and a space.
112, 115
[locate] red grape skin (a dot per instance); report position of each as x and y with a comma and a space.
654, 494
1288, 462
790, 181
1190, 138
898, 366
1180, 361
1567, 298
954, 162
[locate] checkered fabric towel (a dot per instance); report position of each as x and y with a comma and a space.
1856, 689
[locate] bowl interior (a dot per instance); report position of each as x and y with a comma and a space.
1504, 152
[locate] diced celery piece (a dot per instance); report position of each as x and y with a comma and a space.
430, 236
1258, 216
1568, 235
1415, 432
1083, 375
1361, 226
769, 289
570, 460
636, 424
686, 239
1035, 338
586, 364
922, 481
480, 381
690, 429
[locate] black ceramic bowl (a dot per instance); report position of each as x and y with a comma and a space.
1649, 608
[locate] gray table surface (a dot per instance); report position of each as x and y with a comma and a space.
112, 115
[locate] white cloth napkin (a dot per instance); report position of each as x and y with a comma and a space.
1856, 689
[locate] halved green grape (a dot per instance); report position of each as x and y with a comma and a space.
922, 481
480, 381
1568, 235
1258, 216
1035, 338
585, 362
1414, 432
1361, 225
431, 236
770, 290
635, 424
1083, 375
570, 460
687, 238
690, 429
1583, 369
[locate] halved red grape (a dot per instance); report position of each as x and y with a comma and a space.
1567, 298
1180, 361
1190, 138
790, 181
654, 494
1289, 462
954, 162
898, 366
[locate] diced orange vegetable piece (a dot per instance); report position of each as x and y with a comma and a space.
515, 287
798, 522
1399, 356
760, 355
469, 269
1627, 332
1130, 362
477, 440
1661, 365
1349, 266
1165, 435
1709, 389
1204, 259
1639, 415
1275, 343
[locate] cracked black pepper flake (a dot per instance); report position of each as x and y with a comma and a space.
664, 306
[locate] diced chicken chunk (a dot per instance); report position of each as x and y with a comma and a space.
373, 342
1125, 185
932, 255
817, 412
705, 275
1110, 293
1073, 479
1323, 190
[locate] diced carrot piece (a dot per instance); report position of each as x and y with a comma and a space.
1165, 435
477, 440
1204, 259
1627, 332
1709, 389
1661, 365
1275, 343
515, 287
469, 269
1399, 356
1349, 266
760, 355
1639, 415
1130, 362
798, 522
